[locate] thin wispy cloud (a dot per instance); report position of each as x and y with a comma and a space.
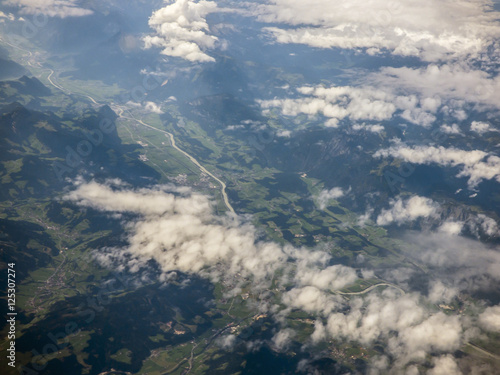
51, 8
430, 30
476, 165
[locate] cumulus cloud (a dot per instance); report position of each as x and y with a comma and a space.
181, 30
146, 106
313, 300
416, 95
51, 8
326, 195
8, 16
403, 211
445, 365
177, 228
319, 333
226, 342
355, 103
283, 133
490, 319
440, 293
483, 224
451, 227
427, 29
153, 107
283, 338
481, 127
477, 165
370, 128
234, 127
379, 317
450, 129
410, 332
329, 278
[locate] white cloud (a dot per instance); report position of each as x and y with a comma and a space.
440, 293
336, 103
283, 338
283, 133
463, 263
444, 365
416, 95
145, 106
363, 219
8, 16
181, 30
450, 129
177, 228
418, 207
370, 128
319, 333
436, 85
378, 316
326, 195
366, 103
234, 127
431, 30
451, 227
153, 107
477, 165
51, 8
406, 211
226, 342
329, 278
313, 300
481, 127
483, 224
490, 319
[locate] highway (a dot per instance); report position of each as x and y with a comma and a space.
172, 142
193, 160
482, 351
371, 288
53, 84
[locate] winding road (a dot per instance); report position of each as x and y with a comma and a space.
229, 207
53, 84
172, 142
93, 101
193, 160
170, 135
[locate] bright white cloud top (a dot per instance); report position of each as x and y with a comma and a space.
326, 195
365, 103
416, 95
481, 127
181, 30
403, 211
